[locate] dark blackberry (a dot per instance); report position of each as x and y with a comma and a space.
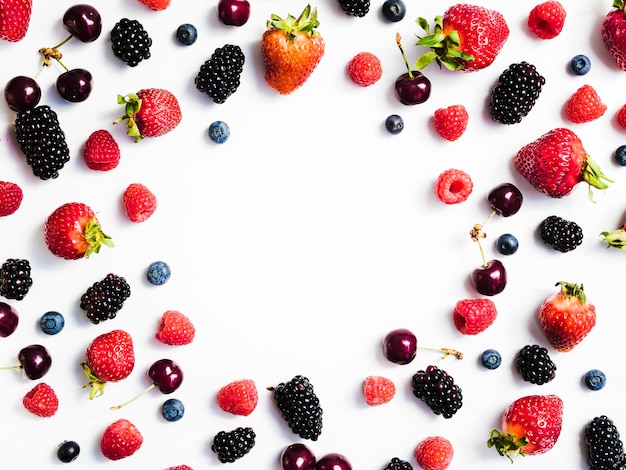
219, 75
397, 464
515, 93
105, 298
42, 141
560, 234
232, 445
534, 364
605, 449
300, 407
130, 42
15, 278
358, 8
437, 389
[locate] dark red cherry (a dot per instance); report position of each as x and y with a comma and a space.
400, 346
233, 12
166, 374
333, 461
412, 89
8, 320
506, 199
74, 85
83, 22
489, 279
297, 457
22, 93
35, 361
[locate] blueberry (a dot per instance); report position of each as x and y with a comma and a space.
394, 10
219, 132
394, 124
158, 273
173, 409
68, 451
491, 359
620, 155
580, 64
186, 34
51, 322
595, 379
507, 244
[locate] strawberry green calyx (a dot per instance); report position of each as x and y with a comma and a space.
619, 4
569, 289
95, 237
616, 238
292, 26
96, 385
507, 445
444, 48
132, 104
595, 178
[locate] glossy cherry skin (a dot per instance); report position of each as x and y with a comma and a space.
333, 461
22, 93
35, 361
506, 199
489, 279
412, 90
83, 22
233, 12
166, 374
400, 346
8, 320
297, 457
74, 85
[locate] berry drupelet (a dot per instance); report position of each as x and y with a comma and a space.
605, 449
358, 8
534, 364
560, 234
300, 407
398, 464
437, 389
232, 445
515, 93
219, 76
105, 298
130, 42
15, 279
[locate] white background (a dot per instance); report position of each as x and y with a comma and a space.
306, 237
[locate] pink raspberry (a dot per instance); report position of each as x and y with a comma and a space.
364, 69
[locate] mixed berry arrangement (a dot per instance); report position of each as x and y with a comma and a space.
179, 258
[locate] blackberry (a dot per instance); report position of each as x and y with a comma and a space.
300, 407
42, 141
130, 42
605, 449
358, 8
515, 93
534, 364
105, 298
437, 389
562, 235
232, 445
219, 76
397, 464
15, 280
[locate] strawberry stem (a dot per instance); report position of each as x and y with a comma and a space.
445, 49
594, 176
616, 238
406, 63
507, 445
95, 237
97, 385
292, 26
132, 106
134, 398
569, 289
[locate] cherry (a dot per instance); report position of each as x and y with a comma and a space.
505, 199
74, 85
83, 22
490, 278
297, 457
400, 347
34, 360
412, 87
8, 320
22, 93
233, 12
333, 461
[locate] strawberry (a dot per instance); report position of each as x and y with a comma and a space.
41, 400
151, 112
567, 317
434, 453
239, 397
156, 5
466, 38
531, 425
110, 357
14, 19
101, 151
10, 198
613, 32
471, 316
120, 439
291, 49
364, 69
139, 202
175, 329
584, 105
556, 162
378, 390
451, 122
546, 20
72, 232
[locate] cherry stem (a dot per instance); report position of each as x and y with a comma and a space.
53, 53
399, 43
477, 233
11, 367
134, 398
446, 352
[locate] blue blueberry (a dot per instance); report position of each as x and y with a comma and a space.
219, 132
51, 322
394, 10
595, 379
580, 64
491, 359
173, 409
68, 451
620, 155
394, 124
507, 244
186, 34
158, 273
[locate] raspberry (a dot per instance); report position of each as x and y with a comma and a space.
584, 105
11, 196
453, 186
364, 69
175, 329
378, 390
546, 20
434, 453
120, 439
471, 316
239, 397
139, 202
41, 401
101, 151
621, 117
451, 122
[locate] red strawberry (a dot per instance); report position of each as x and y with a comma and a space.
613, 32
378, 390
109, 358
621, 117
434, 453
139, 202
471, 316
72, 231
584, 105
175, 329
14, 19
556, 162
120, 439
364, 69
239, 397
41, 400
451, 122
547, 19
151, 112
567, 317
466, 38
101, 151
453, 186
10, 198
530, 425
156, 5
